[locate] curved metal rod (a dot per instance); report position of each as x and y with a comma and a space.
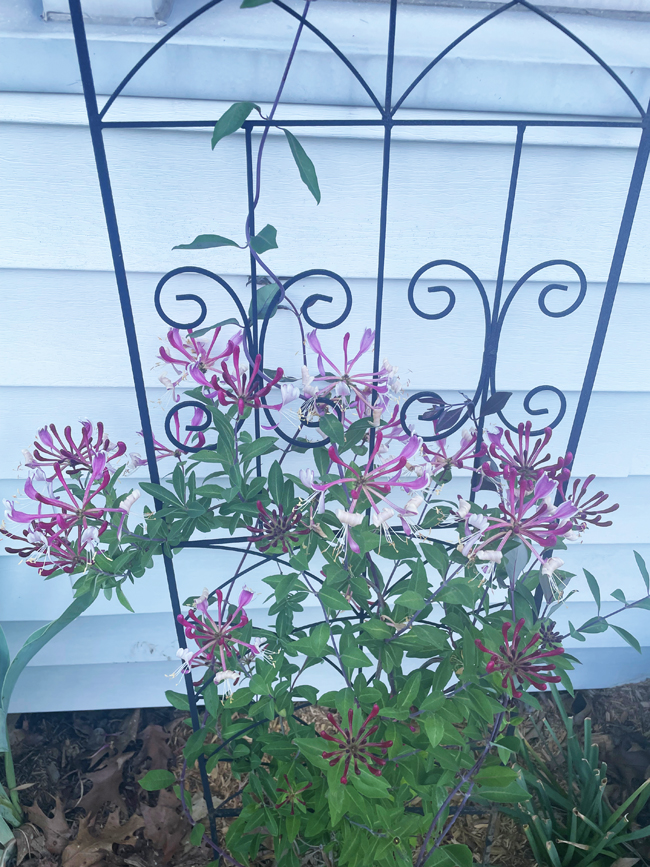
189, 427
192, 269
313, 299
545, 291
336, 51
546, 17
543, 411
589, 51
452, 297
449, 48
120, 87
138, 66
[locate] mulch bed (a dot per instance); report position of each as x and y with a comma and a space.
84, 807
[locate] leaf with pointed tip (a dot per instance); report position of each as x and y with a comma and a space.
305, 165
231, 120
265, 297
265, 240
205, 242
593, 586
250, 4
203, 331
626, 636
640, 562
495, 403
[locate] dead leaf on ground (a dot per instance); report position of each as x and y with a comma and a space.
30, 843
106, 785
55, 828
129, 731
164, 826
155, 746
87, 849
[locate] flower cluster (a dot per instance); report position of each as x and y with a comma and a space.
65, 524
217, 641
354, 747
519, 663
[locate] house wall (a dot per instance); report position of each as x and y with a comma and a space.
65, 353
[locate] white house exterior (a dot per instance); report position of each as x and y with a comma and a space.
64, 351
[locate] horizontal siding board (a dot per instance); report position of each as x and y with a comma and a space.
447, 200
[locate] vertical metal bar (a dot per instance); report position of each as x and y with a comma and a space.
383, 213
618, 258
97, 139
251, 223
505, 241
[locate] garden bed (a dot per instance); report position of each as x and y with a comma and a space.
78, 772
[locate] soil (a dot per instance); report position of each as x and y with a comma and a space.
77, 774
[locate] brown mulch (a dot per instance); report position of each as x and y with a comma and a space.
78, 775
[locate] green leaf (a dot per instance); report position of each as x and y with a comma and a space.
410, 599
453, 855
155, 780
369, 786
5, 657
619, 596
196, 836
177, 700
626, 636
511, 794
212, 700
643, 569
161, 493
435, 729
204, 242
259, 446
201, 331
305, 165
250, 4
123, 600
6, 834
36, 641
594, 625
265, 240
436, 555
332, 428
496, 776
231, 120
354, 657
593, 586
333, 599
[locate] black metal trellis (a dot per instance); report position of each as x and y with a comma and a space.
494, 311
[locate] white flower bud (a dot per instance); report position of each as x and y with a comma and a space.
463, 508
381, 518
490, 556
549, 566
349, 518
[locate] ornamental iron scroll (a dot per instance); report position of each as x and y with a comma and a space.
314, 308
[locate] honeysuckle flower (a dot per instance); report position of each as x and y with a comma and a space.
128, 501
490, 556
196, 356
215, 638
277, 528
524, 518
587, 510
243, 389
525, 459
221, 676
355, 747
135, 461
464, 508
289, 392
376, 482
348, 520
551, 564
550, 638
90, 538
291, 795
380, 521
520, 663
306, 477
308, 389
343, 381
51, 449
442, 460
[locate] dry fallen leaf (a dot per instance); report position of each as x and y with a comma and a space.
30, 843
106, 785
164, 826
87, 849
55, 828
155, 746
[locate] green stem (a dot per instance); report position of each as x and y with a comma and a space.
10, 775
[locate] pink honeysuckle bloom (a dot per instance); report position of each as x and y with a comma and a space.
196, 356
344, 382
215, 638
51, 449
523, 516
376, 482
275, 527
72, 511
588, 511
528, 461
354, 747
241, 389
520, 663
441, 459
